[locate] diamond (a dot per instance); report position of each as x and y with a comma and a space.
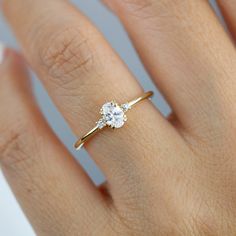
101, 123
126, 107
113, 115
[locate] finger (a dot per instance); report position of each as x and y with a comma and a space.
44, 177
81, 72
228, 8
189, 56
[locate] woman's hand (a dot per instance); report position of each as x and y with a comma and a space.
164, 177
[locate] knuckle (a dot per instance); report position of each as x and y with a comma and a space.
16, 148
67, 55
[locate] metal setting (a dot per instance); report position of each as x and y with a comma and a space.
113, 115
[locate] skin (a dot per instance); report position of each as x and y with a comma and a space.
172, 176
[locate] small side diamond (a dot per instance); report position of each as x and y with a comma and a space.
101, 123
126, 107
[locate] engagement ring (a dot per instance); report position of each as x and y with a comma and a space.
113, 115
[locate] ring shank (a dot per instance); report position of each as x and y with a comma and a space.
96, 129
141, 98
81, 141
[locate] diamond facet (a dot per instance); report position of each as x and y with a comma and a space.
113, 115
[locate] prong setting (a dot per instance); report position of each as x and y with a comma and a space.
113, 115
126, 107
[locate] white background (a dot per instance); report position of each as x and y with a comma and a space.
12, 220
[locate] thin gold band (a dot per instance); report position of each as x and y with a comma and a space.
96, 129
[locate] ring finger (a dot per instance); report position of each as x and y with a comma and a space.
81, 72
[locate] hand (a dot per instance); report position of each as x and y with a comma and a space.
173, 176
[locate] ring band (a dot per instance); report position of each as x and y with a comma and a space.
113, 115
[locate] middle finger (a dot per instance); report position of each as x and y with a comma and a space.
189, 55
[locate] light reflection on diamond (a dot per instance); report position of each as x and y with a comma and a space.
113, 115
126, 107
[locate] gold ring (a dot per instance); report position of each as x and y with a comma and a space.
112, 115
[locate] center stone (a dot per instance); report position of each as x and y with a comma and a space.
113, 115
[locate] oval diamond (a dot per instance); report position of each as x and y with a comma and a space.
113, 114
